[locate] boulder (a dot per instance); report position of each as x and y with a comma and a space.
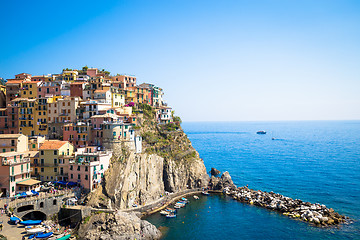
214, 172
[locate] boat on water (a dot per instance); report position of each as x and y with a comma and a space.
177, 206
170, 210
35, 229
63, 236
205, 193
30, 222
44, 235
184, 199
260, 132
196, 197
164, 212
171, 215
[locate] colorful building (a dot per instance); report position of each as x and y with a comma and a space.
50, 154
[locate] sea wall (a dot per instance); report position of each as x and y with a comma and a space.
314, 213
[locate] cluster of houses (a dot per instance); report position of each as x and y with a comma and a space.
62, 127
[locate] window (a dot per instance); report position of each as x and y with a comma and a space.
12, 142
55, 161
86, 168
42, 169
71, 176
55, 152
55, 169
41, 204
86, 177
71, 167
78, 168
41, 152
79, 176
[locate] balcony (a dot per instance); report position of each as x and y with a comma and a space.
12, 162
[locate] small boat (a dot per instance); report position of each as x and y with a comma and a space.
170, 210
260, 132
35, 229
171, 215
63, 236
184, 199
164, 212
15, 220
31, 222
177, 206
44, 235
196, 197
205, 193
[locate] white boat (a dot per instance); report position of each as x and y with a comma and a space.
196, 197
177, 206
205, 193
164, 212
171, 215
35, 229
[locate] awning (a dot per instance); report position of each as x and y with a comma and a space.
29, 182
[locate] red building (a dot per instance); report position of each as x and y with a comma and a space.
76, 89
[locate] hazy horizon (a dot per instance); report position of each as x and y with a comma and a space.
216, 61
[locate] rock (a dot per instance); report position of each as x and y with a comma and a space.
330, 221
117, 226
214, 172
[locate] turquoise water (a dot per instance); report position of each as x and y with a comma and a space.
315, 161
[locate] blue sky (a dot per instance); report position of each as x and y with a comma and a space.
216, 60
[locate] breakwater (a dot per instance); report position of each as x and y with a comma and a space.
314, 213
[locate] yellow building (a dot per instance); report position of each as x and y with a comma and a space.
30, 89
117, 97
69, 76
51, 154
33, 116
130, 95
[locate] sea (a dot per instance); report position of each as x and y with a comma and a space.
315, 161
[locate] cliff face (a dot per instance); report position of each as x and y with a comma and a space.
121, 225
168, 163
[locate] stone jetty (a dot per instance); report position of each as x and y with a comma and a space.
313, 213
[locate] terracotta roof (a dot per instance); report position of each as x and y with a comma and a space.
14, 81
101, 90
52, 144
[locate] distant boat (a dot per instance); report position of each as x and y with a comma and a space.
172, 215
170, 210
205, 193
196, 197
31, 222
260, 132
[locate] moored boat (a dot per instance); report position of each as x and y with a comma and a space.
44, 235
63, 236
260, 132
170, 210
15, 220
35, 229
172, 215
196, 197
205, 193
31, 222
164, 212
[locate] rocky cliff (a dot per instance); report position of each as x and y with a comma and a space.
168, 163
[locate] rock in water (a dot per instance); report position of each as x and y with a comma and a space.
219, 183
118, 226
214, 172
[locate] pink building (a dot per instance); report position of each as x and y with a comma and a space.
88, 167
76, 134
15, 174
